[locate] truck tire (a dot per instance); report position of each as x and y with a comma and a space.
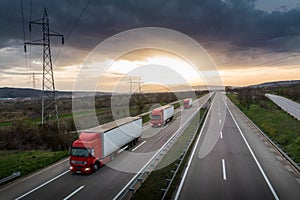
96, 166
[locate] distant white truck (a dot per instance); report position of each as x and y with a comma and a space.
162, 115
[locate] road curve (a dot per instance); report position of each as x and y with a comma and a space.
293, 108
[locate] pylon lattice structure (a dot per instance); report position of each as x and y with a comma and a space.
49, 99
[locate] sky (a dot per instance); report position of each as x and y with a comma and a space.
249, 41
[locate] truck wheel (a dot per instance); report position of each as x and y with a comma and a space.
96, 166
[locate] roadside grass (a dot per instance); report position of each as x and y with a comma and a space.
27, 161
157, 179
61, 116
282, 128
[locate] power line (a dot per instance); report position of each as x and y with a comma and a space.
72, 29
278, 60
30, 17
24, 36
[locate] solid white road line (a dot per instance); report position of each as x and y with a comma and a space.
224, 170
221, 134
42, 185
123, 149
70, 195
165, 126
254, 157
139, 145
146, 127
191, 157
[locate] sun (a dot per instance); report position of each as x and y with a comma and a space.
151, 66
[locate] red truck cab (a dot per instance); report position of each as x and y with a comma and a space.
157, 117
187, 103
85, 153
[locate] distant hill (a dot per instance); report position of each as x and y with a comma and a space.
7, 92
275, 84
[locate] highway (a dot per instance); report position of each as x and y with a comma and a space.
56, 182
233, 161
293, 108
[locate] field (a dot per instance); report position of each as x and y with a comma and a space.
26, 146
282, 128
27, 161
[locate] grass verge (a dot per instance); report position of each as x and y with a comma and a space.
282, 128
27, 161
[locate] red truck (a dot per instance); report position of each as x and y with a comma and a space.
187, 103
99, 145
160, 116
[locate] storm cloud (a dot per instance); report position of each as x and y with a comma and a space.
226, 28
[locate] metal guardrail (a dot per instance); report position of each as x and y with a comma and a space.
273, 143
14, 175
129, 190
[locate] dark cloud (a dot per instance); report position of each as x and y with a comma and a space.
234, 22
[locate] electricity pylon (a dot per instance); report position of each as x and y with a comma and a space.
49, 100
33, 80
139, 82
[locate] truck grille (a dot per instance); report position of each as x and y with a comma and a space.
78, 162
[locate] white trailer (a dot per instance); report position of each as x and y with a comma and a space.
162, 115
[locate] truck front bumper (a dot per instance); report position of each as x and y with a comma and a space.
80, 169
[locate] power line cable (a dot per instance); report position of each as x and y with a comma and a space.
30, 16
278, 60
24, 37
73, 27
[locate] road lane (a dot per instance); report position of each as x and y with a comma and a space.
244, 179
284, 178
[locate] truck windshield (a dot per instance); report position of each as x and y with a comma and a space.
155, 117
79, 152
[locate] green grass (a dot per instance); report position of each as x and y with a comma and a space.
27, 161
277, 124
61, 116
157, 179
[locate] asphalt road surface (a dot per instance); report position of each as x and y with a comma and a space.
56, 182
237, 164
293, 108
